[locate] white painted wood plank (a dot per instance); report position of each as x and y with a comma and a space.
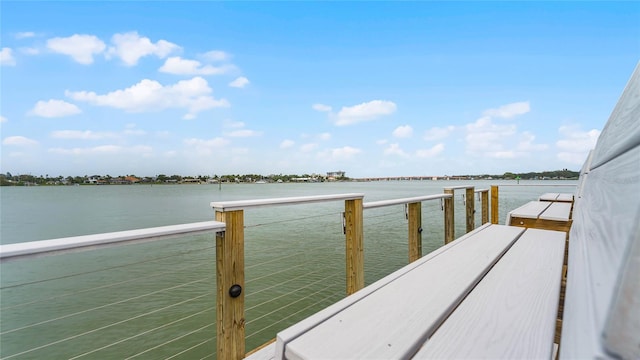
565, 197
296, 200
396, 319
548, 197
383, 203
75, 242
266, 353
530, 210
289, 334
511, 313
557, 211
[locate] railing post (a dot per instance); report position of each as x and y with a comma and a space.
415, 231
485, 206
449, 222
494, 204
471, 208
230, 286
353, 220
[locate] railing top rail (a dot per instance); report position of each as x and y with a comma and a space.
245, 204
482, 190
554, 185
459, 187
44, 246
382, 203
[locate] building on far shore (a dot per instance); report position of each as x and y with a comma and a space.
335, 175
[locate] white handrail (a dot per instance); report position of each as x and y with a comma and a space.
253, 203
382, 203
44, 246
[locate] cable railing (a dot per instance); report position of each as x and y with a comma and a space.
156, 299
101, 299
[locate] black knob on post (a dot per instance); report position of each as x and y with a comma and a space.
235, 291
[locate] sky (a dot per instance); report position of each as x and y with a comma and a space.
374, 89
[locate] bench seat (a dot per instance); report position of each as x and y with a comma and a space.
559, 197
396, 316
542, 215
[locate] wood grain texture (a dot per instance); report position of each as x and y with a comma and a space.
449, 219
494, 204
559, 211
485, 206
531, 210
511, 314
470, 209
229, 272
413, 305
415, 231
548, 197
354, 245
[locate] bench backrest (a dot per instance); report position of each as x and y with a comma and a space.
602, 303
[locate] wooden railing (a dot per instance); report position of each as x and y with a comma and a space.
230, 249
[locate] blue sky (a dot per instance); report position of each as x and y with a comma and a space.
370, 88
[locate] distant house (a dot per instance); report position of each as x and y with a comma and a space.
131, 180
335, 175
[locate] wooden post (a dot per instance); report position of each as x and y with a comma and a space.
449, 219
485, 206
471, 208
494, 204
353, 221
415, 231
230, 275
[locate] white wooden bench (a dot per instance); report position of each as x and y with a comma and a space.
542, 215
504, 277
561, 197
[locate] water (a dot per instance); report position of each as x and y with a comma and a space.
157, 299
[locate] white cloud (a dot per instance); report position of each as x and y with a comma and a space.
244, 133
6, 57
239, 82
232, 124
81, 135
485, 138
29, 50
285, 144
394, 149
324, 136
321, 107
26, 34
19, 141
405, 131
216, 55
216, 142
81, 48
308, 147
371, 110
438, 133
179, 66
149, 95
130, 47
509, 110
382, 141
431, 152
527, 144
575, 144
340, 154
3, 119
204, 147
104, 150
54, 108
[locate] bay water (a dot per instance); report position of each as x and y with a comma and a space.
156, 299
